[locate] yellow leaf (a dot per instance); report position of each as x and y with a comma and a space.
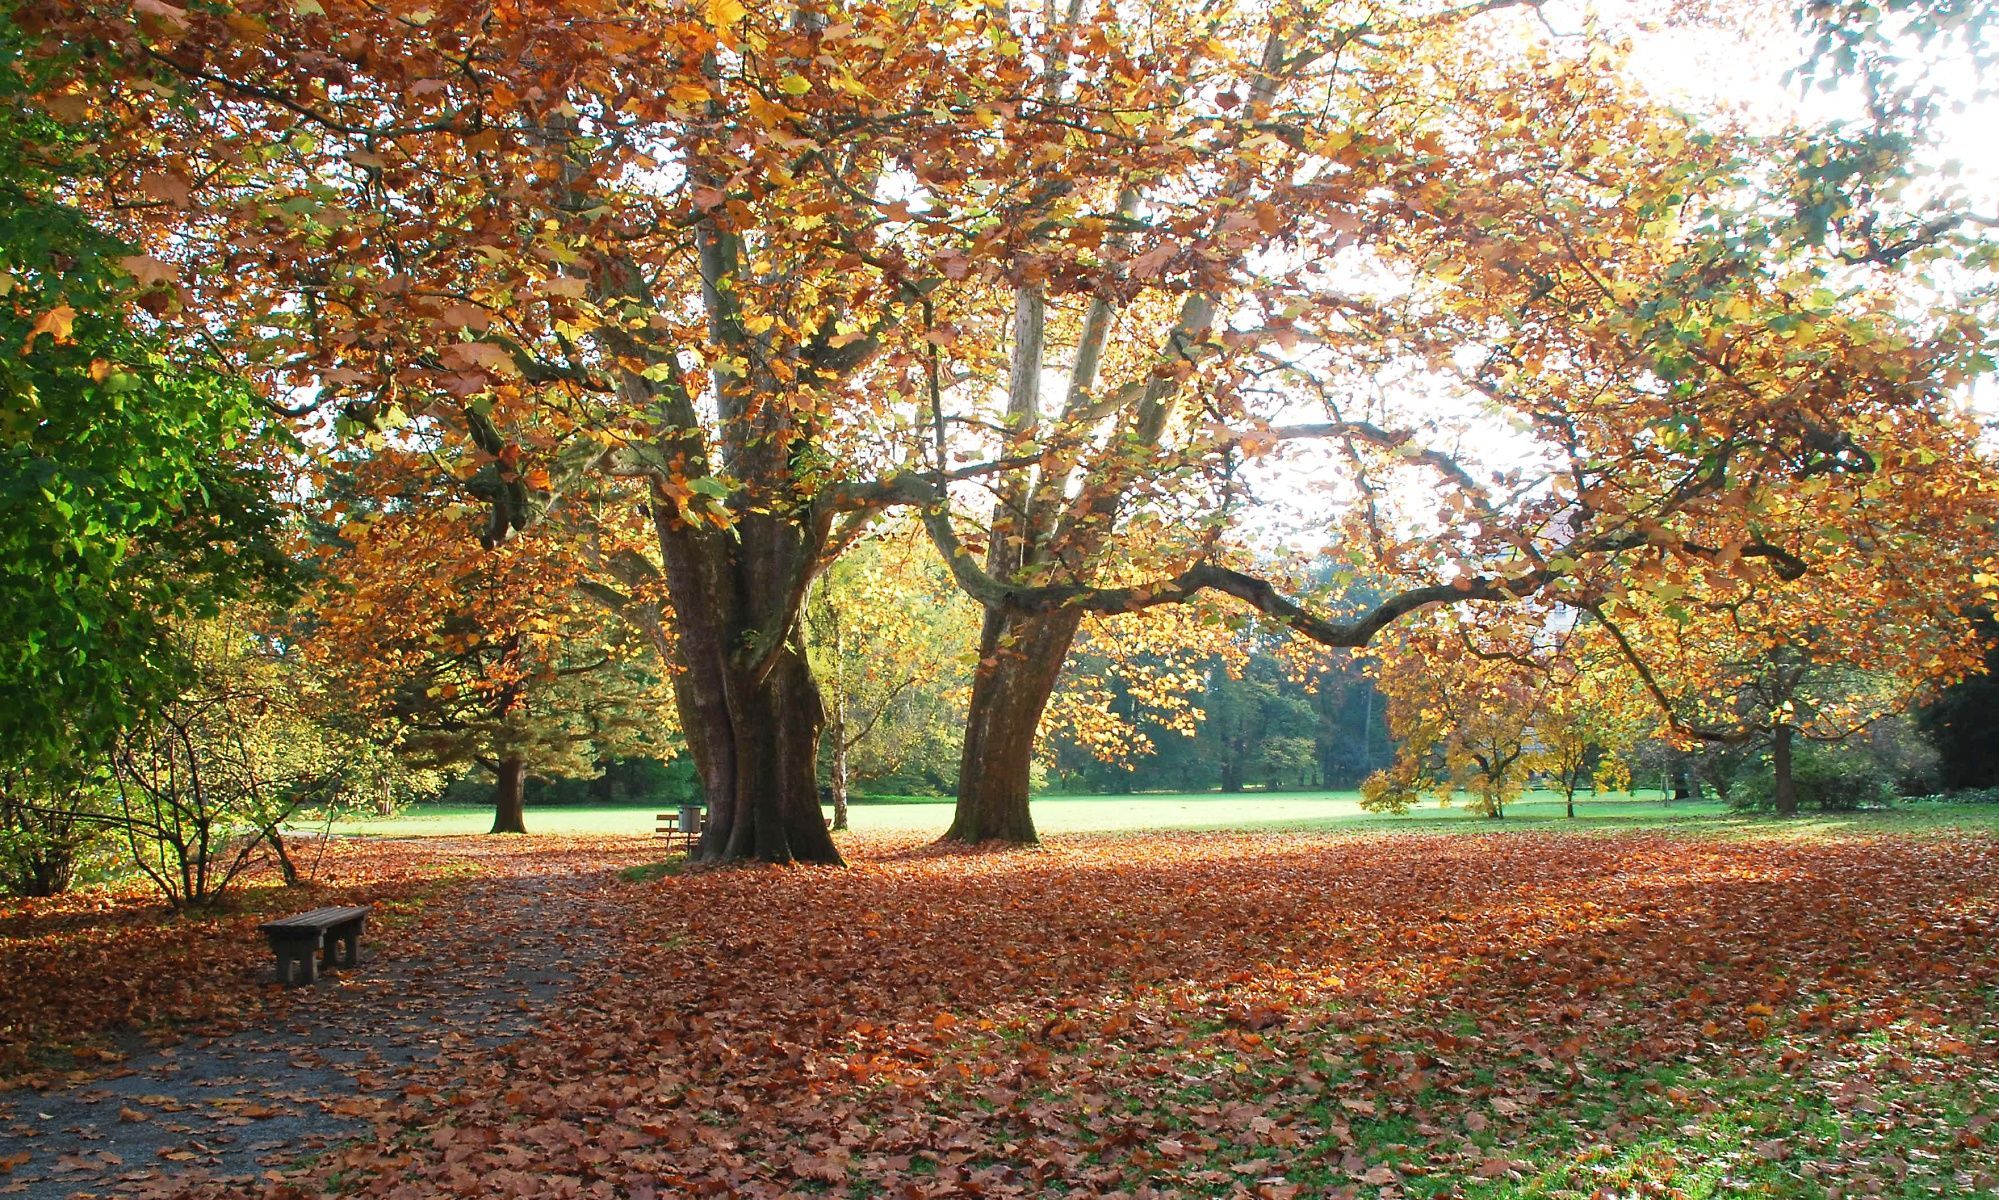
794, 85
57, 323
723, 14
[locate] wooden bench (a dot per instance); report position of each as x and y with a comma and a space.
683, 826
306, 942
689, 832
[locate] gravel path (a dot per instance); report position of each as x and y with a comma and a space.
478, 969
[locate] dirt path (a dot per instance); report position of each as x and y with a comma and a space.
478, 969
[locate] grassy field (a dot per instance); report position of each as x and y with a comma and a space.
1317, 811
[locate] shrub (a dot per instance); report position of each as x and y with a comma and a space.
52, 827
1831, 778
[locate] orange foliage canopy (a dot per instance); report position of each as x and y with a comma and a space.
769, 272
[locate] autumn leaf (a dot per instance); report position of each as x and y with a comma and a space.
147, 269
57, 323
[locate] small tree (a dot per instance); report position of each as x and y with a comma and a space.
52, 824
211, 777
477, 656
1465, 715
886, 631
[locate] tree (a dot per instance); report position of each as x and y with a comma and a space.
208, 779
132, 486
478, 656
1588, 718
53, 822
887, 633
1963, 721
1491, 703
1674, 296
1464, 717
1732, 663
766, 271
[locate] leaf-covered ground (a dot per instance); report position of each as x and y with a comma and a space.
103, 961
1514, 1015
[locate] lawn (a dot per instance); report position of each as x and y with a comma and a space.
1278, 812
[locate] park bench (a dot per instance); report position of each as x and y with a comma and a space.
683, 826
306, 942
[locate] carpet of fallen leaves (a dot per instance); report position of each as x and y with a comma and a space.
1507, 1015
104, 961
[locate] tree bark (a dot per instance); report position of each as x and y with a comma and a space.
1020, 658
1786, 793
839, 734
836, 727
749, 706
510, 796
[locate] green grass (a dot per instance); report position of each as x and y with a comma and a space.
1329, 811
647, 872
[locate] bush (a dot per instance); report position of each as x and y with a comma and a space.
211, 777
51, 829
1830, 778
1989, 795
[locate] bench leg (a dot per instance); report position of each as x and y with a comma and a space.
298, 960
343, 946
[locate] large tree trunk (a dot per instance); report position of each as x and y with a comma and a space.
1020, 658
1780, 763
510, 796
750, 710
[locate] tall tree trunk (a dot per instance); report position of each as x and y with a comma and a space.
1780, 763
757, 756
749, 707
1020, 658
510, 796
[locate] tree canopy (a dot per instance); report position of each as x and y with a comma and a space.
1073, 284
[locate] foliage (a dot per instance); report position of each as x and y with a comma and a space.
1488, 705
889, 637
1734, 663
1962, 722
1831, 778
208, 779
749, 275
52, 827
1182, 699
456, 654
131, 493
